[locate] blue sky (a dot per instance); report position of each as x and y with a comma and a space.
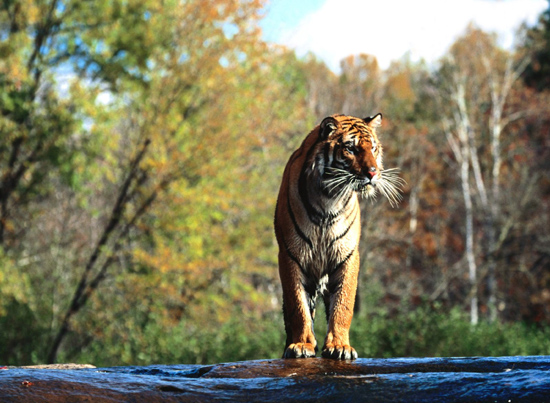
388, 29
284, 15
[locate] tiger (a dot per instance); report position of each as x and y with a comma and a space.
318, 225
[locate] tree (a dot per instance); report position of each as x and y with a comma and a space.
55, 55
170, 117
324, 93
143, 147
477, 81
94, 40
537, 42
361, 83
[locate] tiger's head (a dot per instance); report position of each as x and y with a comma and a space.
350, 159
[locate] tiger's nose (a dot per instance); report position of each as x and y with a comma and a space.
371, 172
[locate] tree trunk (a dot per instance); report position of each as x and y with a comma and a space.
470, 252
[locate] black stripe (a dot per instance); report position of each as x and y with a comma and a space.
339, 265
335, 156
328, 219
331, 217
335, 282
313, 215
326, 150
326, 192
293, 258
296, 226
343, 234
311, 292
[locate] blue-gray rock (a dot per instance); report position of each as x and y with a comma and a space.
502, 379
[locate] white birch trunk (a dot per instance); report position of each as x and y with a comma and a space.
462, 151
499, 92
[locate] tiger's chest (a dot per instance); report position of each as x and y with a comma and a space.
321, 241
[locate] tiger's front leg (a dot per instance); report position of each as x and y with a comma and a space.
341, 288
300, 339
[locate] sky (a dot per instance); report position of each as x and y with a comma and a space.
389, 29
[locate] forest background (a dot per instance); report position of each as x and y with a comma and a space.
142, 144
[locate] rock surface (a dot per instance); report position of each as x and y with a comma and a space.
502, 379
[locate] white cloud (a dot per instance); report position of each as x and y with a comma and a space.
389, 29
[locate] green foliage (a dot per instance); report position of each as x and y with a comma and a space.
537, 43
23, 336
423, 332
238, 338
437, 332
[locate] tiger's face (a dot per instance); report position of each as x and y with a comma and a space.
351, 158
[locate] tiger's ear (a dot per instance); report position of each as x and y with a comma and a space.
374, 121
327, 126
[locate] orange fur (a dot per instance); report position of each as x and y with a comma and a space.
317, 225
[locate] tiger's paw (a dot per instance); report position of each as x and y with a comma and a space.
336, 352
300, 350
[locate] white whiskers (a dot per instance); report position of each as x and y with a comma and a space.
390, 185
339, 182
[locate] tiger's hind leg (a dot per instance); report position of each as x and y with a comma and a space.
297, 311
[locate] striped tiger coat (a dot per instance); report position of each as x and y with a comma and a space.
317, 225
